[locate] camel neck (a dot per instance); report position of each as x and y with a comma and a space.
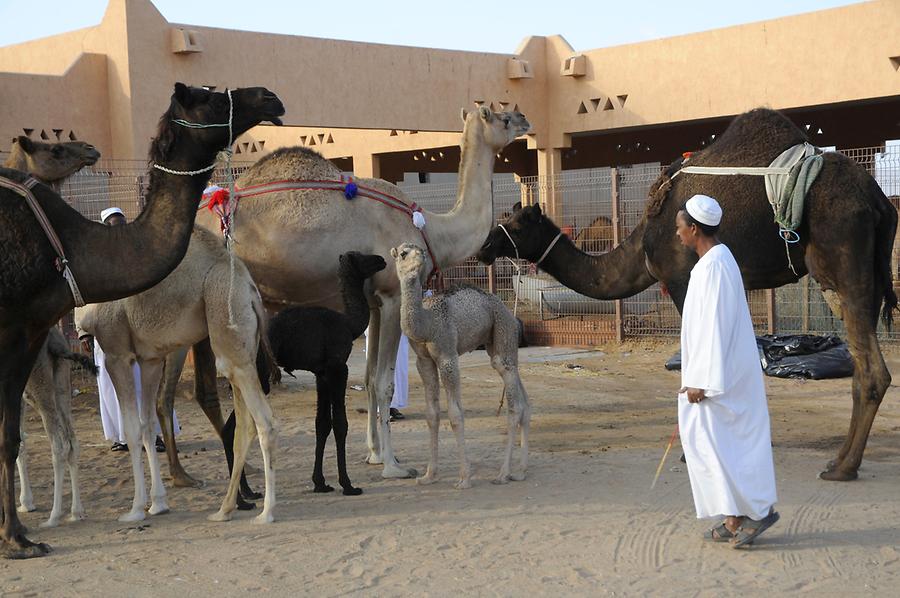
138, 255
414, 318
459, 233
356, 308
617, 274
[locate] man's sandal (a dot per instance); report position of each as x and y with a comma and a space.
751, 528
719, 533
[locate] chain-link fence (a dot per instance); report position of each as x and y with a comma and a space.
593, 201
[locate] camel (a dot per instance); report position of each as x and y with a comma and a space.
320, 340
596, 237
274, 228
846, 239
50, 162
442, 327
47, 389
49, 392
107, 263
212, 302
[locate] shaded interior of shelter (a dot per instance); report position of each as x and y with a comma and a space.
866, 123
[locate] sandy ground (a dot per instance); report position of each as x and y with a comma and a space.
585, 521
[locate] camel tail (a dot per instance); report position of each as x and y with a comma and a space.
885, 231
266, 366
59, 349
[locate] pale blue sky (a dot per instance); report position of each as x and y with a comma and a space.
485, 25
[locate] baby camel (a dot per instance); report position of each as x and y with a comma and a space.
446, 325
49, 392
319, 340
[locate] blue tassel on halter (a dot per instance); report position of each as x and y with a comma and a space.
350, 190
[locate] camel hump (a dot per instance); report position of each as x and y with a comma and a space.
754, 138
290, 163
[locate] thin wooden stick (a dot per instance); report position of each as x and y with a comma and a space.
665, 454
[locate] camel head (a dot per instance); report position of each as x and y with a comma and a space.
360, 265
410, 260
198, 106
51, 162
528, 234
495, 129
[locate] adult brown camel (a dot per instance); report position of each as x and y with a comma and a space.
108, 263
291, 241
50, 163
846, 238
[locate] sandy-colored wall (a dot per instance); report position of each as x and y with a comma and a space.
338, 87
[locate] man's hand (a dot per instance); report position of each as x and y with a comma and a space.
694, 395
87, 343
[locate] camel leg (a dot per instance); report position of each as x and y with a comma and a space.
26, 499
205, 389
871, 380
15, 368
248, 391
372, 438
388, 342
237, 433
429, 374
516, 415
151, 374
62, 376
246, 493
323, 428
338, 389
122, 376
449, 372
165, 409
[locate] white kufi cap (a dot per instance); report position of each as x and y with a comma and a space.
110, 212
704, 209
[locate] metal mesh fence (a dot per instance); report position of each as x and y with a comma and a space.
588, 216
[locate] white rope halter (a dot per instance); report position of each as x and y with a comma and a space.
516, 265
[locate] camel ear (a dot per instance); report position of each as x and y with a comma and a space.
486, 114
183, 95
394, 252
25, 143
462, 114
536, 214
517, 207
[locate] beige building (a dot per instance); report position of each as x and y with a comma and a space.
385, 110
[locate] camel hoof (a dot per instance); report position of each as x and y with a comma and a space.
23, 549
502, 479
219, 516
132, 516
397, 472
243, 505
52, 522
838, 476
187, 481
374, 459
263, 518
159, 508
29, 508
323, 488
351, 491
517, 477
426, 479
832, 465
77, 516
463, 484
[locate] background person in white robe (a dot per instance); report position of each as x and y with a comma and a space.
110, 415
722, 412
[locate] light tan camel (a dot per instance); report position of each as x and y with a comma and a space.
49, 392
48, 387
291, 242
189, 305
442, 327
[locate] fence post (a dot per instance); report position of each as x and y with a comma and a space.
770, 310
804, 305
492, 282
616, 226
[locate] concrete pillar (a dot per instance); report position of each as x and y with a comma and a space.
367, 166
549, 168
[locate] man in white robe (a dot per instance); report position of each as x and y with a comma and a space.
723, 416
